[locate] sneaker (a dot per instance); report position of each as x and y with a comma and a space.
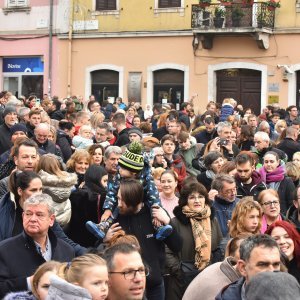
98, 230
163, 232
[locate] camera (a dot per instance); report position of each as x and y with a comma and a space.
223, 142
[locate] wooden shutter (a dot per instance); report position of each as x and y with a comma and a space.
106, 5
169, 3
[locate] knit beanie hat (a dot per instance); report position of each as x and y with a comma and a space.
132, 159
18, 127
136, 130
273, 286
8, 110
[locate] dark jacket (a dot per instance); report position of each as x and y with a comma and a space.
153, 251
123, 138
261, 154
30, 130
285, 192
204, 136
159, 133
49, 147
224, 210
57, 115
289, 146
10, 217
257, 185
206, 181
292, 215
64, 142
19, 259
182, 225
233, 291
5, 138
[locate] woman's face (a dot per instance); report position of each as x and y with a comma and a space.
81, 166
251, 220
217, 164
296, 160
96, 282
35, 187
285, 243
43, 285
196, 202
130, 111
232, 172
104, 181
97, 157
51, 136
136, 122
271, 206
233, 137
280, 128
270, 162
168, 184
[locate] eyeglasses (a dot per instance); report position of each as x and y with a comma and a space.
131, 274
270, 203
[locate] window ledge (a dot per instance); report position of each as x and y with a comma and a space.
179, 10
8, 10
105, 12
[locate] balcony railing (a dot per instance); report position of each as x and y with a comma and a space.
257, 15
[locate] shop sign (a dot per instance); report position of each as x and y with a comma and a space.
23, 64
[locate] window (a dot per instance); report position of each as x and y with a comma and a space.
106, 5
17, 3
169, 3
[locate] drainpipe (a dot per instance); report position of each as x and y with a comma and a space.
50, 48
70, 49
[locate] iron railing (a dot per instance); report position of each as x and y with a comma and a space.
256, 15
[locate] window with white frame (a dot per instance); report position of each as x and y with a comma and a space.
106, 5
17, 3
169, 3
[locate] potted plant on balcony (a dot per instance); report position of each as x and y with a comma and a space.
236, 16
226, 2
261, 19
272, 4
248, 2
219, 16
204, 3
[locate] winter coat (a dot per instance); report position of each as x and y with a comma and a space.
204, 136
260, 154
62, 290
289, 146
205, 180
204, 288
232, 291
49, 147
226, 111
123, 138
64, 142
59, 188
81, 143
5, 138
182, 225
160, 132
177, 165
20, 296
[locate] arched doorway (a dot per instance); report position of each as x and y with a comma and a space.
244, 85
168, 86
105, 84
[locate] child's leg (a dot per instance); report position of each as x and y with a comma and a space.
162, 231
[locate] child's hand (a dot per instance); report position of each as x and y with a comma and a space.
106, 215
160, 215
111, 231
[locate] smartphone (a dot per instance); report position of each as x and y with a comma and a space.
38, 102
223, 142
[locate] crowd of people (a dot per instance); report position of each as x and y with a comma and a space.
110, 201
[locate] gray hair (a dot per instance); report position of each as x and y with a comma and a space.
254, 241
263, 124
110, 150
218, 182
262, 135
13, 102
41, 199
24, 111
42, 126
223, 125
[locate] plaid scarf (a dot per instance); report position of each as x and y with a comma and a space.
201, 228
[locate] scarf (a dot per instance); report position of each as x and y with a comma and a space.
201, 228
275, 176
264, 224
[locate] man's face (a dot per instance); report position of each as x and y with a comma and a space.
35, 120
127, 289
85, 120
37, 220
101, 135
112, 162
212, 107
10, 119
122, 206
134, 137
209, 127
294, 112
95, 107
228, 192
275, 119
245, 171
27, 158
41, 135
16, 135
168, 147
225, 133
260, 144
70, 132
252, 122
261, 259
172, 127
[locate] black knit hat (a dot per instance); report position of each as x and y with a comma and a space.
132, 159
18, 127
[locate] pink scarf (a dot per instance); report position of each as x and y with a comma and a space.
275, 176
264, 224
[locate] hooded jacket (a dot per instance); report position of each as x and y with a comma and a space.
62, 290
59, 188
233, 291
257, 186
178, 166
189, 155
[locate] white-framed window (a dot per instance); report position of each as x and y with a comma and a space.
17, 3
169, 3
169, 6
106, 7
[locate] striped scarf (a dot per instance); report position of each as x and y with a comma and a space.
201, 228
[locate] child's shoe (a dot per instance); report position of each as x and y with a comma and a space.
163, 232
98, 230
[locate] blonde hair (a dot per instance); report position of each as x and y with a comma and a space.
75, 271
85, 127
49, 266
96, 119
53, 131
244, 206
280, 123
292, 170
156, 173
50, 164
78, 155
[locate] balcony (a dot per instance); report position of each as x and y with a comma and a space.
255, 20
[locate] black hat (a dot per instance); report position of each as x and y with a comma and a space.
8, 110
18, 127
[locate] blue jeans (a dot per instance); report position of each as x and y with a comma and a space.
156, 292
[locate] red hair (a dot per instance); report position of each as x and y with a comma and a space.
293, 234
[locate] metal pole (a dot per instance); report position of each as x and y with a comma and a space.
50, 48
70, 49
